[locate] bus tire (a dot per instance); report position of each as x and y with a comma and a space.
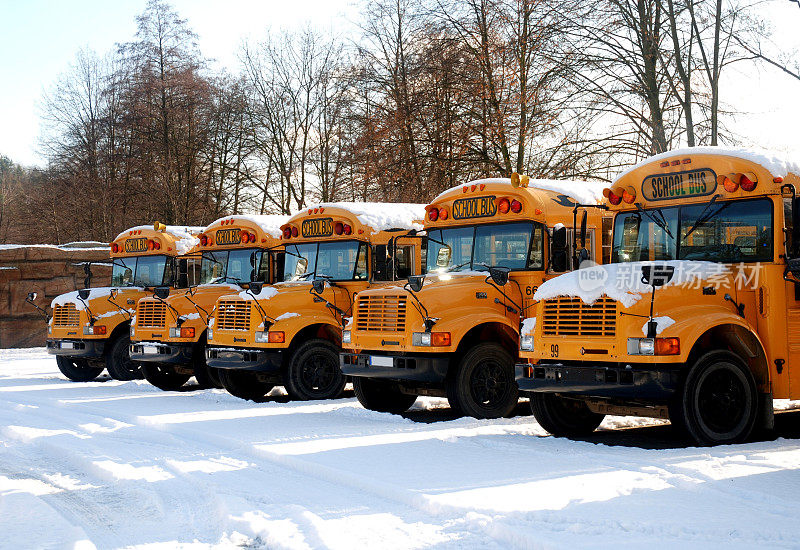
484, 385
564, 417
313, 371
118, 360
206, 376
243, 384
381, 395
718, 401
163, 376
77, 369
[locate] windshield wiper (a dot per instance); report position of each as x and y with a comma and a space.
454, 267
225, 279
661, 221
705, 215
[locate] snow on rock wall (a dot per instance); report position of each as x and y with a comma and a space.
48, 271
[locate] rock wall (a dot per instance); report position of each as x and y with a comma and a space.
48, 271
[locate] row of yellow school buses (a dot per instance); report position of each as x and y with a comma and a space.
672, 293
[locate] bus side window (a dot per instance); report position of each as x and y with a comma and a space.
404, 263
380, 263
280, 264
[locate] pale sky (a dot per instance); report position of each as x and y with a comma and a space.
40, 38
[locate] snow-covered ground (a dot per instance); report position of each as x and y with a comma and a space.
114, 464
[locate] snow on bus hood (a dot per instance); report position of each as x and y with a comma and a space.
771, 160
585, 192
381, 216
623, 281
96, 292
266, 293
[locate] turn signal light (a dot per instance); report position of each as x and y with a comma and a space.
97, 330
503, 206
668, 346
277, 337
187, 332
440, 339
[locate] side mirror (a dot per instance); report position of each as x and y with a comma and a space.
255, 287
499, 275
583, 229
31, 297
318, 285
657, 275
559, 258
583, 255
84, 293
415, 282
87, 270
161, 292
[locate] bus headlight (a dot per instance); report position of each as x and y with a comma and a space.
49, 329
262, 337
346, 337
95, 330
654, 346
526, 343
210, 334
133, 331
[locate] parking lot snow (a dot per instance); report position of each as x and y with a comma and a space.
115, 464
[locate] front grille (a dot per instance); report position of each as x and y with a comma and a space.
386, 313
151, 314
572, 317
233, 315
66, 316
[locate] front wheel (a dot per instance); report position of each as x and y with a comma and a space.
118, 361
164, 377
382, 396
314, 372
207, 377
243, 384
718, 401
484, 385
77, 369
564, 417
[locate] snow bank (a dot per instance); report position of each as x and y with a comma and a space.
380, 215
770, 160
662, 323
584, 192
92, 245
269, 223
622, 282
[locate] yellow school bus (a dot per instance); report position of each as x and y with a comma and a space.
290, 334
89, 330
454, 332
696, 321
169, 331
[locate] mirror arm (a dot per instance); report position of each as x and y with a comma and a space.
489, 282
42, 311
198, 308
110, 299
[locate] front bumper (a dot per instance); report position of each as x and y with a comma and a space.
246, 359
76, 348
634, 382
179, 353
417, 368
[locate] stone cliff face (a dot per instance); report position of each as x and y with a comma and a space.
48, 271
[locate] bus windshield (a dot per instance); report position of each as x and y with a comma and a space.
240, 265
716, 231
335, 260
516, 246
144, 271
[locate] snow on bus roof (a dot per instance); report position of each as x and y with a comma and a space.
186, 235
585, 192
772, 161
380, 215
269, 223
623, 281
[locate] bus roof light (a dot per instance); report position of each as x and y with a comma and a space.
433, 214
503, 205
347, 229
294, 232
686, 161
114, 248
777, 179
730, 185
675, 163
613, 198
442, 214
338, 228
287, 232
628, 195
747, 183
664, 164
516, 206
